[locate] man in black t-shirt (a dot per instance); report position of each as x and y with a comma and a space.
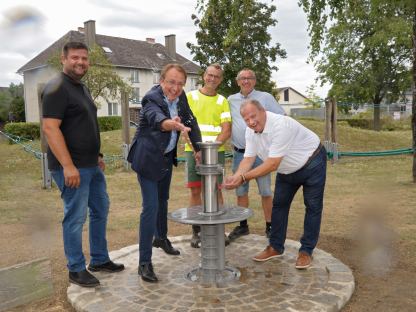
71, 127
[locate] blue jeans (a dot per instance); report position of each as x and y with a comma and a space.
153, 218
92, 194
263, 182
312, 178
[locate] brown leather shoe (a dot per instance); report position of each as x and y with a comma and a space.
303, 261
267, 254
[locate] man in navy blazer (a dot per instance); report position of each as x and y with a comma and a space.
165, 114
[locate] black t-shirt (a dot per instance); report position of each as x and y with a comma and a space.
70, 101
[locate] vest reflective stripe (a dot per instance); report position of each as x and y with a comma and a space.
220, 99
195, 95
225, 115
209, 138
210, 128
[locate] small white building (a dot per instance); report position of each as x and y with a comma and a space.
289, 98
137, 62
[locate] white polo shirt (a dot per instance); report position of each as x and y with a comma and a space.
282, 137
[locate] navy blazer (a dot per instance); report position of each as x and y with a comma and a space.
150, 142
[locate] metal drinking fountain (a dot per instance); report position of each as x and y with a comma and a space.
211, 217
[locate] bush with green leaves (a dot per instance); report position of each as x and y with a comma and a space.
27, 130
109, 123
31, 130
387, 123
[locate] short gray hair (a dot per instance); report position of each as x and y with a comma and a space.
252, 102
246, 69
217, 66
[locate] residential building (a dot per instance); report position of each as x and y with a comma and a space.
403, 106
138, 62
289, 99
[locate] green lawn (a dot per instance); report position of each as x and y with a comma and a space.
369, 203
354, 187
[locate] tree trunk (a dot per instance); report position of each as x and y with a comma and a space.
414, 96
377, 98
328, 114
377, 123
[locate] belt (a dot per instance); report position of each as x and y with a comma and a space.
316, 152
240, 150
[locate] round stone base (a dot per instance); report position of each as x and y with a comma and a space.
222, 279
274, 285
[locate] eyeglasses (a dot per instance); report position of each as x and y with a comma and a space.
172, 83
213, 76
246, 78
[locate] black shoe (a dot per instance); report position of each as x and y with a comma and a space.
238, 232
83, 278
109, 266
195, 240
268, 230
226, 240
146, 272
166, 245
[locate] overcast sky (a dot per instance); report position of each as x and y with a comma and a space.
27, 27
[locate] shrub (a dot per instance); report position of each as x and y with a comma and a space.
390, 124
109, 123
27, 130
387, 123
31, 130
359, 123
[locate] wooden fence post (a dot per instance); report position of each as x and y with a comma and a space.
334, 130
125, 132
46, 174
328, 116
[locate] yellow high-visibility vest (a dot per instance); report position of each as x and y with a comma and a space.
211, 112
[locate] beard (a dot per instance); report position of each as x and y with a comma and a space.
76, 73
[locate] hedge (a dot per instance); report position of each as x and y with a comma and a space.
109, 123
27, 130
31, 130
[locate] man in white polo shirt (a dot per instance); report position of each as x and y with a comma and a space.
297, 155
246, 80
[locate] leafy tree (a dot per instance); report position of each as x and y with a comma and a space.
369, 46
101, 78
5, 100
235, 34
412, 9
12, 103
313, 98
16, 90
364, 49
17, 108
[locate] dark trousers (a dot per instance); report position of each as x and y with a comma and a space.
312, 178
153, 219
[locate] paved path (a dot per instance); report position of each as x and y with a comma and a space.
274, 285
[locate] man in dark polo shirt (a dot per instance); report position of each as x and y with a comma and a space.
71, 127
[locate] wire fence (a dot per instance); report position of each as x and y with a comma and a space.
28, 146
116, 161
394, 111
25, 143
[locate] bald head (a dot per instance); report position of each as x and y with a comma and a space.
254, 115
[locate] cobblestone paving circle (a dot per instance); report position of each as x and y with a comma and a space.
274, 285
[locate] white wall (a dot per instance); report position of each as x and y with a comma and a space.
295, 101
43, 75
31, 79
